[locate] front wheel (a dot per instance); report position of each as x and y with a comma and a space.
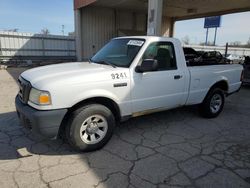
213, 103
90, 127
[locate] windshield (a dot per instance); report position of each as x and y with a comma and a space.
119, 52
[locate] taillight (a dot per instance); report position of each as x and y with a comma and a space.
242, 76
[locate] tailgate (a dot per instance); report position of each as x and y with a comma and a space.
246, 73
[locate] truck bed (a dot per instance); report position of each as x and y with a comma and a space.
202, 77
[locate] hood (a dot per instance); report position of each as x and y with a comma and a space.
67, 73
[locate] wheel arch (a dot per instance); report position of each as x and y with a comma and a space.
105, 101
222, 84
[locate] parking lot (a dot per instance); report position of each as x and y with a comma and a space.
175, 148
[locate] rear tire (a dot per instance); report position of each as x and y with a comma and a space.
213, 103
90, 127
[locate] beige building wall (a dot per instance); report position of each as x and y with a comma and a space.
167, 27
99, 25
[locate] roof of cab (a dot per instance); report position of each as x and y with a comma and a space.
152, 38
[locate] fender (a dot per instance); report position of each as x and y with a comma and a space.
94, 93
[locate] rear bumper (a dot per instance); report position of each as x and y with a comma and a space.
228, 94
246, 81
46, 123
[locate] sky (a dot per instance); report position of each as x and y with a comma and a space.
234, 27
33, 15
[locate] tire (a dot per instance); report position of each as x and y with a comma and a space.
213, 103
90, 127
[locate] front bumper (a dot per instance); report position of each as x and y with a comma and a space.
46, 123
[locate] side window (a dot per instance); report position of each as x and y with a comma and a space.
164, 53
218, 55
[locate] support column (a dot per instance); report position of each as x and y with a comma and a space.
171, 29
154, 17
78, 35
167, 28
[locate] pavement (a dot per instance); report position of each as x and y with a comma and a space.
176, 148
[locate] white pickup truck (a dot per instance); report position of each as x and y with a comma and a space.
128, 77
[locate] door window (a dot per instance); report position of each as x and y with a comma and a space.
164, 53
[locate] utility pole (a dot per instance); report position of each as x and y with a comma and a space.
63, 29
226, 49
206, 36
215, 35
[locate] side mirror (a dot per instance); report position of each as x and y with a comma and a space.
147, 65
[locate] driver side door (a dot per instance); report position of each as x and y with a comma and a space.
163, 88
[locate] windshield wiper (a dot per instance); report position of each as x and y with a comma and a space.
104, 63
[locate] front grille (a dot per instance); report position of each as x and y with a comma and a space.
24, 90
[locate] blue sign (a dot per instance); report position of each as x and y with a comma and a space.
213, 21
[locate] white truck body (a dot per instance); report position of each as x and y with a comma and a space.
71, 83
84, 100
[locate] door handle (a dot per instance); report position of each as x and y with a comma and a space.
177, 77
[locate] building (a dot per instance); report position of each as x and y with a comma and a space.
97, 21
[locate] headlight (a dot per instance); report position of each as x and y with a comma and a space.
39, 97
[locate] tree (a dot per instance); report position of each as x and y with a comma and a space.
12, 30
185, 40
45, 31
71, 33
208, 43
235, 44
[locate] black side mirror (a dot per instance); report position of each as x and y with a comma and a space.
147, 65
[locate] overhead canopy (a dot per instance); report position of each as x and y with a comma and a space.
177, 9
97, 21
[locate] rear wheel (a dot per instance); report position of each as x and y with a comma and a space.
90, 127
213, 103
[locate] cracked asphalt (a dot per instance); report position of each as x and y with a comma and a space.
176, 148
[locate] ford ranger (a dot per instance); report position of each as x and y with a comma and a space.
128, 77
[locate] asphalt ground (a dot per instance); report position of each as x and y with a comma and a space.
175, 148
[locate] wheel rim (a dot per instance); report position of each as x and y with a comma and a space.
93, 129
215, 103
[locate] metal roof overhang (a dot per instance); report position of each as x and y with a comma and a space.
177, 9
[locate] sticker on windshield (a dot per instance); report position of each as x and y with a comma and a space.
135, 42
